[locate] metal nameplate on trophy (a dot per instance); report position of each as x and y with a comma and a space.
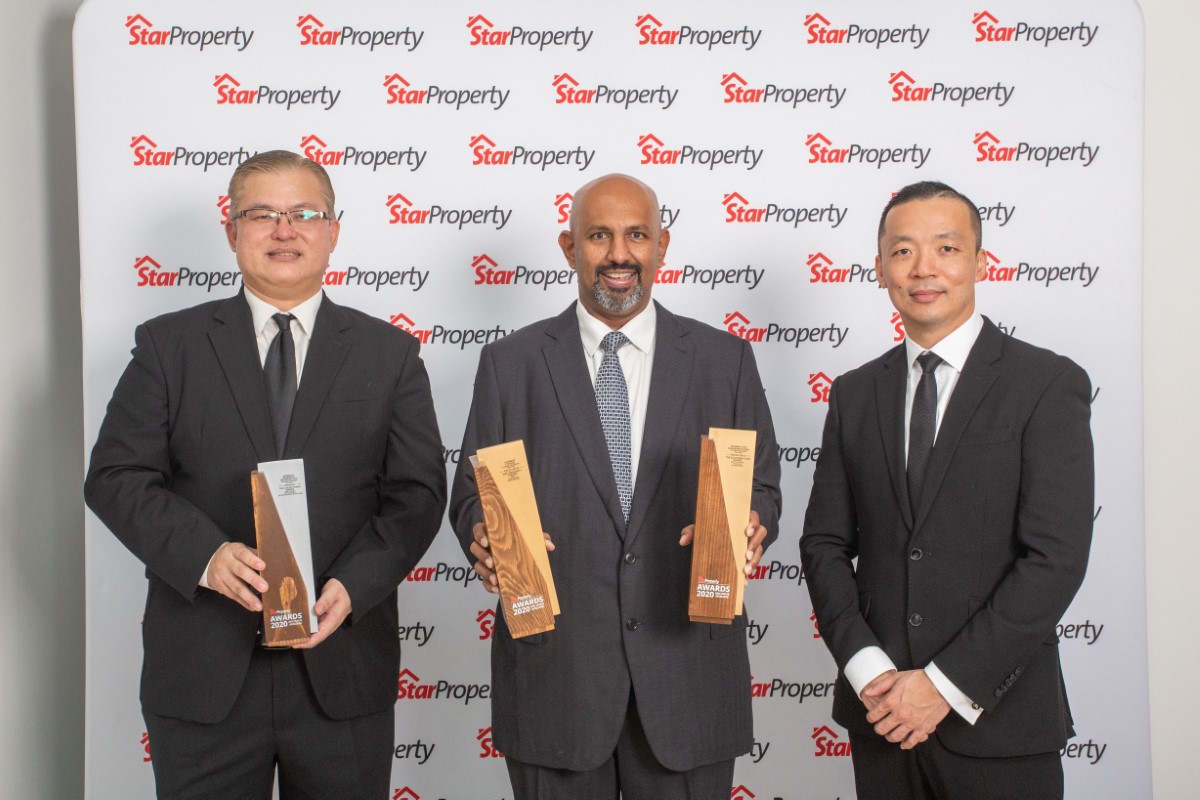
281, 526
515, 538
722, 514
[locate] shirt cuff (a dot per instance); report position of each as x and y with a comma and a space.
963, 705
865, 666
203, 582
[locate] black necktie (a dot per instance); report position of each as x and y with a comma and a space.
921, 427
279, 369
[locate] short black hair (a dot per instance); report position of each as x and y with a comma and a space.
927, 190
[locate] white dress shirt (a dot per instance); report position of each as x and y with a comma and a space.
636, 358
866, 664
262, 316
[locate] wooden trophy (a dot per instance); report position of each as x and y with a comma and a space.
514, 532
722, 514
287, 615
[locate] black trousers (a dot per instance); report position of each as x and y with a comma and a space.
275, 723
882, 771
630, 773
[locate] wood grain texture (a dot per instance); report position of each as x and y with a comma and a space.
714, 570
286, 595
523, 590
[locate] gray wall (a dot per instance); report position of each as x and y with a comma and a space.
41, 542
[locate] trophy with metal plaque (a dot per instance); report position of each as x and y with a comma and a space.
722, 514
514, 532
281, 525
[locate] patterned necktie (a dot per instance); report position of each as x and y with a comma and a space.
279, 369
921, 427
612, 398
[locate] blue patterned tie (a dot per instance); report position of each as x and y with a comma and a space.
612, 398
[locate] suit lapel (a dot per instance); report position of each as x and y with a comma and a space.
577, 399
326, 353
670, 381
973, 384
233, 340
889, 404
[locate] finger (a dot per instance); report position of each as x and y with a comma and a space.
479, 532
482, 556
752, 559
549, 541
686, 535
247, 576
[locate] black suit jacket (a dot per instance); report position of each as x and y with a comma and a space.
978, 580
170, 476
560, 698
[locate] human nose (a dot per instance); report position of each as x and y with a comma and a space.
618, 250
283, 228
924, 264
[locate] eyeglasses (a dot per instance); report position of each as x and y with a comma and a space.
297, 217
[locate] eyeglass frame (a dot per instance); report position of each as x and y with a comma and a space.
275, 216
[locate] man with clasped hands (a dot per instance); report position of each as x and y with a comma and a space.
277, 371
624, 697
957, 469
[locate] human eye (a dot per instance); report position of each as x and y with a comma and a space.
261, 215
302, 215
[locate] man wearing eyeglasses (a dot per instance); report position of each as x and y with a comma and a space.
198, 407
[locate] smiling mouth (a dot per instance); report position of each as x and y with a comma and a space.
619, 278
284, 253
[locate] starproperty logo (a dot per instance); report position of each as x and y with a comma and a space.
989, 149
568, 91
737, 90
230, 92
823, 32
143, 33
905, 89
401, 92
739, 210
314, 33
655, 153
988, 29
320, 151
652, 32
484, 33
486, 153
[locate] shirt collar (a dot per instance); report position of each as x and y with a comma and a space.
639, 330
955, 348
305, 313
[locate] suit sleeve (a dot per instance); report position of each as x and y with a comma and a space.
1053, 533
829, 546
485, 427
129, 478
753, 413
412, 496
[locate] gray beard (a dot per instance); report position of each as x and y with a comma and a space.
614, 304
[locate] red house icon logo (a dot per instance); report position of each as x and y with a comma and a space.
986, 136
402, 321
136, 18
816, 18
900, 76
137, 140
984, 16
565, 77
481, 139
734, 77
736, 318
483, 260
645, 19
817, 138
734, 197
819, 259
307, 18
146, 261
479, 19
740, 792
649, 138
405, 794
312, 138
395, 77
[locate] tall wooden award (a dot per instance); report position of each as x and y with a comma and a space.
722, 514
514, 531
281, 525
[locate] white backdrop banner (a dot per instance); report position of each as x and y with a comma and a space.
774, 133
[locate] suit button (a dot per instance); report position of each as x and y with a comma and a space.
630, 558
632, 624
915, 554
915, 620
